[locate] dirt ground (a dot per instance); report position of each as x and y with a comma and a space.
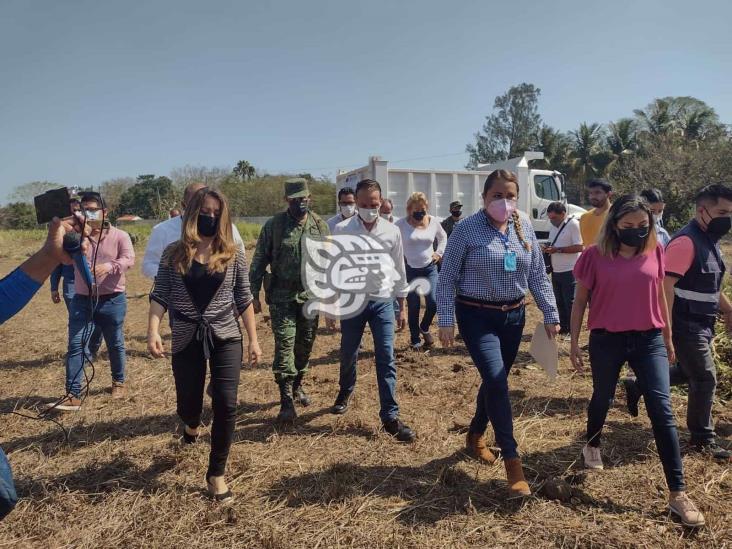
124, 480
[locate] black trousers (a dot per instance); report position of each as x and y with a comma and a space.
189, 371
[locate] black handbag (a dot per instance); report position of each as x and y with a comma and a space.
548, 257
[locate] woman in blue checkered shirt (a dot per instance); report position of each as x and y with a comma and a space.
492, 259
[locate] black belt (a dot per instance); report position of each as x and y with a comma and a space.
496, 305
204, 332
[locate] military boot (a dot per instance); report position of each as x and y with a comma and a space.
299, 393
287, 404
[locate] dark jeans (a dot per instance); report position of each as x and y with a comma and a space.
414, 301
696, 368
380, 317
564, 285
8, 497
109, 317
189, 371
646, 355
493, 338
95, 341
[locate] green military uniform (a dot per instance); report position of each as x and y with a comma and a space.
279, 247
449, 222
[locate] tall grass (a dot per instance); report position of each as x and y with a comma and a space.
723, 355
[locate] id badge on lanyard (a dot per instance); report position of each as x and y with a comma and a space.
509, 261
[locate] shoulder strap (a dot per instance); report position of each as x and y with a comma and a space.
561, 229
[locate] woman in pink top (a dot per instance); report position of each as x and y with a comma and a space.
628, 323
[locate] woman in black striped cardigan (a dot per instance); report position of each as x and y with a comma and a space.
203, 282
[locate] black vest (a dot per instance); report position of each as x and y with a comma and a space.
696, 301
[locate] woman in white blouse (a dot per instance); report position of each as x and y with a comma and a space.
420, 231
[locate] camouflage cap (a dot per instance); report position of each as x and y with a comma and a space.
296, 188
456, 204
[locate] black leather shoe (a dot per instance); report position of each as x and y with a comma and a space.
399, 430
341, 403
632, 395
714, 451
299, 393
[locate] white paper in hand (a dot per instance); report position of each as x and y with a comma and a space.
545, 351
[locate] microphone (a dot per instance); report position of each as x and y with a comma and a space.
72, 246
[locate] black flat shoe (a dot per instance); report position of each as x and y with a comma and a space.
219, 498
189, 439
341, 403
399, 430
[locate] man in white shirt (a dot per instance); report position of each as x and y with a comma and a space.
379, 314
564, 247
346, 208
167, 232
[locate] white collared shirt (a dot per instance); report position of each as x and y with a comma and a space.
389, 235
164, 234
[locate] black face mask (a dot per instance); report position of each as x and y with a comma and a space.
633, 237
456, 213
207, 225
419, 216
298, 208
718, 226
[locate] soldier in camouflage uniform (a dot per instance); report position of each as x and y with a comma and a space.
279, 247
455, 212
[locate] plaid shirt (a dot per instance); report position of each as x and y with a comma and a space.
473, 267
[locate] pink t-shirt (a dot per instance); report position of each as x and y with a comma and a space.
624, 291
679, 255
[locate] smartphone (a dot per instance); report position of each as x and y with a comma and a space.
53, 203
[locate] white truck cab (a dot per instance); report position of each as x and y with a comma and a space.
537, 188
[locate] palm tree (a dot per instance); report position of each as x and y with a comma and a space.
587, 157
555, 146
244, 170
657, 118
622, 140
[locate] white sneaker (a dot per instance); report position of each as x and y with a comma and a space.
681, 506
592, 457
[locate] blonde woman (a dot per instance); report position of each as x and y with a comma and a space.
419, 233
629, 322
203, 282
491, 261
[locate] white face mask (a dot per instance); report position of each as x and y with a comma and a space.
385, 216
347, 210
658, 219
368, 215
93, 216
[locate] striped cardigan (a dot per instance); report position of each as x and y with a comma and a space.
220, 318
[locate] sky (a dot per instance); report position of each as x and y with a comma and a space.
92, 90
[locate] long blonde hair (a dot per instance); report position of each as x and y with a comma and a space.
608, 241
223, 248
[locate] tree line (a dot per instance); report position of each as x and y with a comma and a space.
250, 193
675, 144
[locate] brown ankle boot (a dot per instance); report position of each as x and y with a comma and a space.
476, 447
517, 484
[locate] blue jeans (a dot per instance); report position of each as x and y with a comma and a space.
646, 355
413, 301
8, 497
380, 317
492, 338
109, 317
95, 341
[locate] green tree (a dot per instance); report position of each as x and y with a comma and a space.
244, 170
511, 129
556, 146
150, 198
112, 191
587, 157
685, 116
622, 140
26, 191
18, 215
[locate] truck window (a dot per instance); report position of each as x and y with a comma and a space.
546, 188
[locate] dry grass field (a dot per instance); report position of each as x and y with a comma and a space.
124, 480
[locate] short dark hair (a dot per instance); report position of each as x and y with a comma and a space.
713, 193
92, 196
556, 207
653, 196
368, 185
344, 191
604, 184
